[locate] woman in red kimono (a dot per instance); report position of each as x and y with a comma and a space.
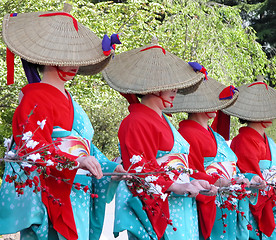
47, 112
256, 153
145, 136
208, 150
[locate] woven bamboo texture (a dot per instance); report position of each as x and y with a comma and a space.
149, 69
53, 40
255, 103
204, 99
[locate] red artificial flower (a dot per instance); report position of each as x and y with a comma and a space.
85, 189
32, 168
36, 180
94, 195
48, 171
59, 180
7, 179
20, 191
29, 182
169, 221
233, 181
249, 227
78, 186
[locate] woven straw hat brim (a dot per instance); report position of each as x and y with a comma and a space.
143, 72
52, 40
255, 103
204, 99
95, 68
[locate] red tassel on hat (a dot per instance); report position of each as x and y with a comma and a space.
221, 125
10, 66
131, 98
204, 71
227, 93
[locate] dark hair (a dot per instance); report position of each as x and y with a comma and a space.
40, 68
140, 95
243, 121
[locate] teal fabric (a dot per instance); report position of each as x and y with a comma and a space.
20, 212
224, 153
130, 216
27, 212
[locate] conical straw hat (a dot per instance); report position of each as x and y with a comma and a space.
256, 102
149, 69
204, 99
57, 40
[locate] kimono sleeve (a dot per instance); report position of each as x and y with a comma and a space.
196, 159
140, 139
30, 113
246, 150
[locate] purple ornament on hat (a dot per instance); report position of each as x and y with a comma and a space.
197, 67
109, 43
227, 93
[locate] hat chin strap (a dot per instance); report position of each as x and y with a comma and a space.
263, 123
163, 100
206, 113
62, 74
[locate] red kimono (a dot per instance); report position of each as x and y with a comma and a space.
202, 144
47, 102
250, 147
143, 132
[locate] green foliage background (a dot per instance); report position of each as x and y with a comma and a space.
202, 31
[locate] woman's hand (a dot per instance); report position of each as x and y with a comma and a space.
120, 169
257, 182
204, 185
192, 188
222, 182
91, 164
184, 188
242, 180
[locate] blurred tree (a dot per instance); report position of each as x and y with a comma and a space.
261, 15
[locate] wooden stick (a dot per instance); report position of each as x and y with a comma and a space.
126, 174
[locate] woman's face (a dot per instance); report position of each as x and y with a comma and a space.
68, 72
168, 96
